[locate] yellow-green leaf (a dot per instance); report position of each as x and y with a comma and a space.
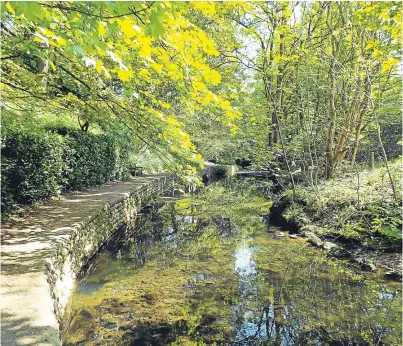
98, 66
125, 75
101, 29
127, 27
52, 65
8, 6
389, 63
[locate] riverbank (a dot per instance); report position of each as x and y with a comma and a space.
357, 212
203, 269
42, 253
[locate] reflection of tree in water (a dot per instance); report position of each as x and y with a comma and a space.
304, 299
208, 272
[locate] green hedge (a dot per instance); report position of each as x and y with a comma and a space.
42, 164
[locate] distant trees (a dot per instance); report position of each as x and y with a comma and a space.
324, 69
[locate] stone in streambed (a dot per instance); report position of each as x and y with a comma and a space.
293, 236
84, 313
393, 275
368, 266
327, 245
313, 238
340, 253
365, 264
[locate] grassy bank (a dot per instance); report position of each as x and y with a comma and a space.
358, 208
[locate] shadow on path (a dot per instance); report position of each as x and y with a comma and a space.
20, 331
26, 242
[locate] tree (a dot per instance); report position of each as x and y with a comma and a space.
313, 63
114, 62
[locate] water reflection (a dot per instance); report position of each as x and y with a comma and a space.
244, 265
204, 270
246, 324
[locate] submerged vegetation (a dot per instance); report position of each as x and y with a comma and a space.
204, 276
305, 94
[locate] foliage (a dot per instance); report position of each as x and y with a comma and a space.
41, 164
145, 158
138, 64
32, 167
296, 214
92, 160
310, 87
326, 76
363, 209
385, 222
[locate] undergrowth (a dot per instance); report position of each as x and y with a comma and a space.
357, 207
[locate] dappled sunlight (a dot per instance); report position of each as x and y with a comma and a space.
14, 332
28, 243
294, 106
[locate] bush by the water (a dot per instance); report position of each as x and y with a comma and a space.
44, 163
356, 207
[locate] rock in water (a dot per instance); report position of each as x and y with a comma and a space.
368, 266
393, 275
279, 234
327, 245
313, 238
340, 252
84, 313
365, 264
293, 236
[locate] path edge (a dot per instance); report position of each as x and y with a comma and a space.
72, 253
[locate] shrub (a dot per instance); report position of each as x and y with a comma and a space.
368, 215
41, 164
90, 159
295, 213
32, 167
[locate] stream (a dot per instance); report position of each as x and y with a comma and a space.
206, 269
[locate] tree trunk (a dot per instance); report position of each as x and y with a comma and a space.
371, 160
363, 110
330, 164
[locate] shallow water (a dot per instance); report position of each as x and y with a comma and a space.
207, 269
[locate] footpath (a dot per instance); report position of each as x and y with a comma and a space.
27, 307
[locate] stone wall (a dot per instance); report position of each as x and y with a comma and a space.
85, 239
